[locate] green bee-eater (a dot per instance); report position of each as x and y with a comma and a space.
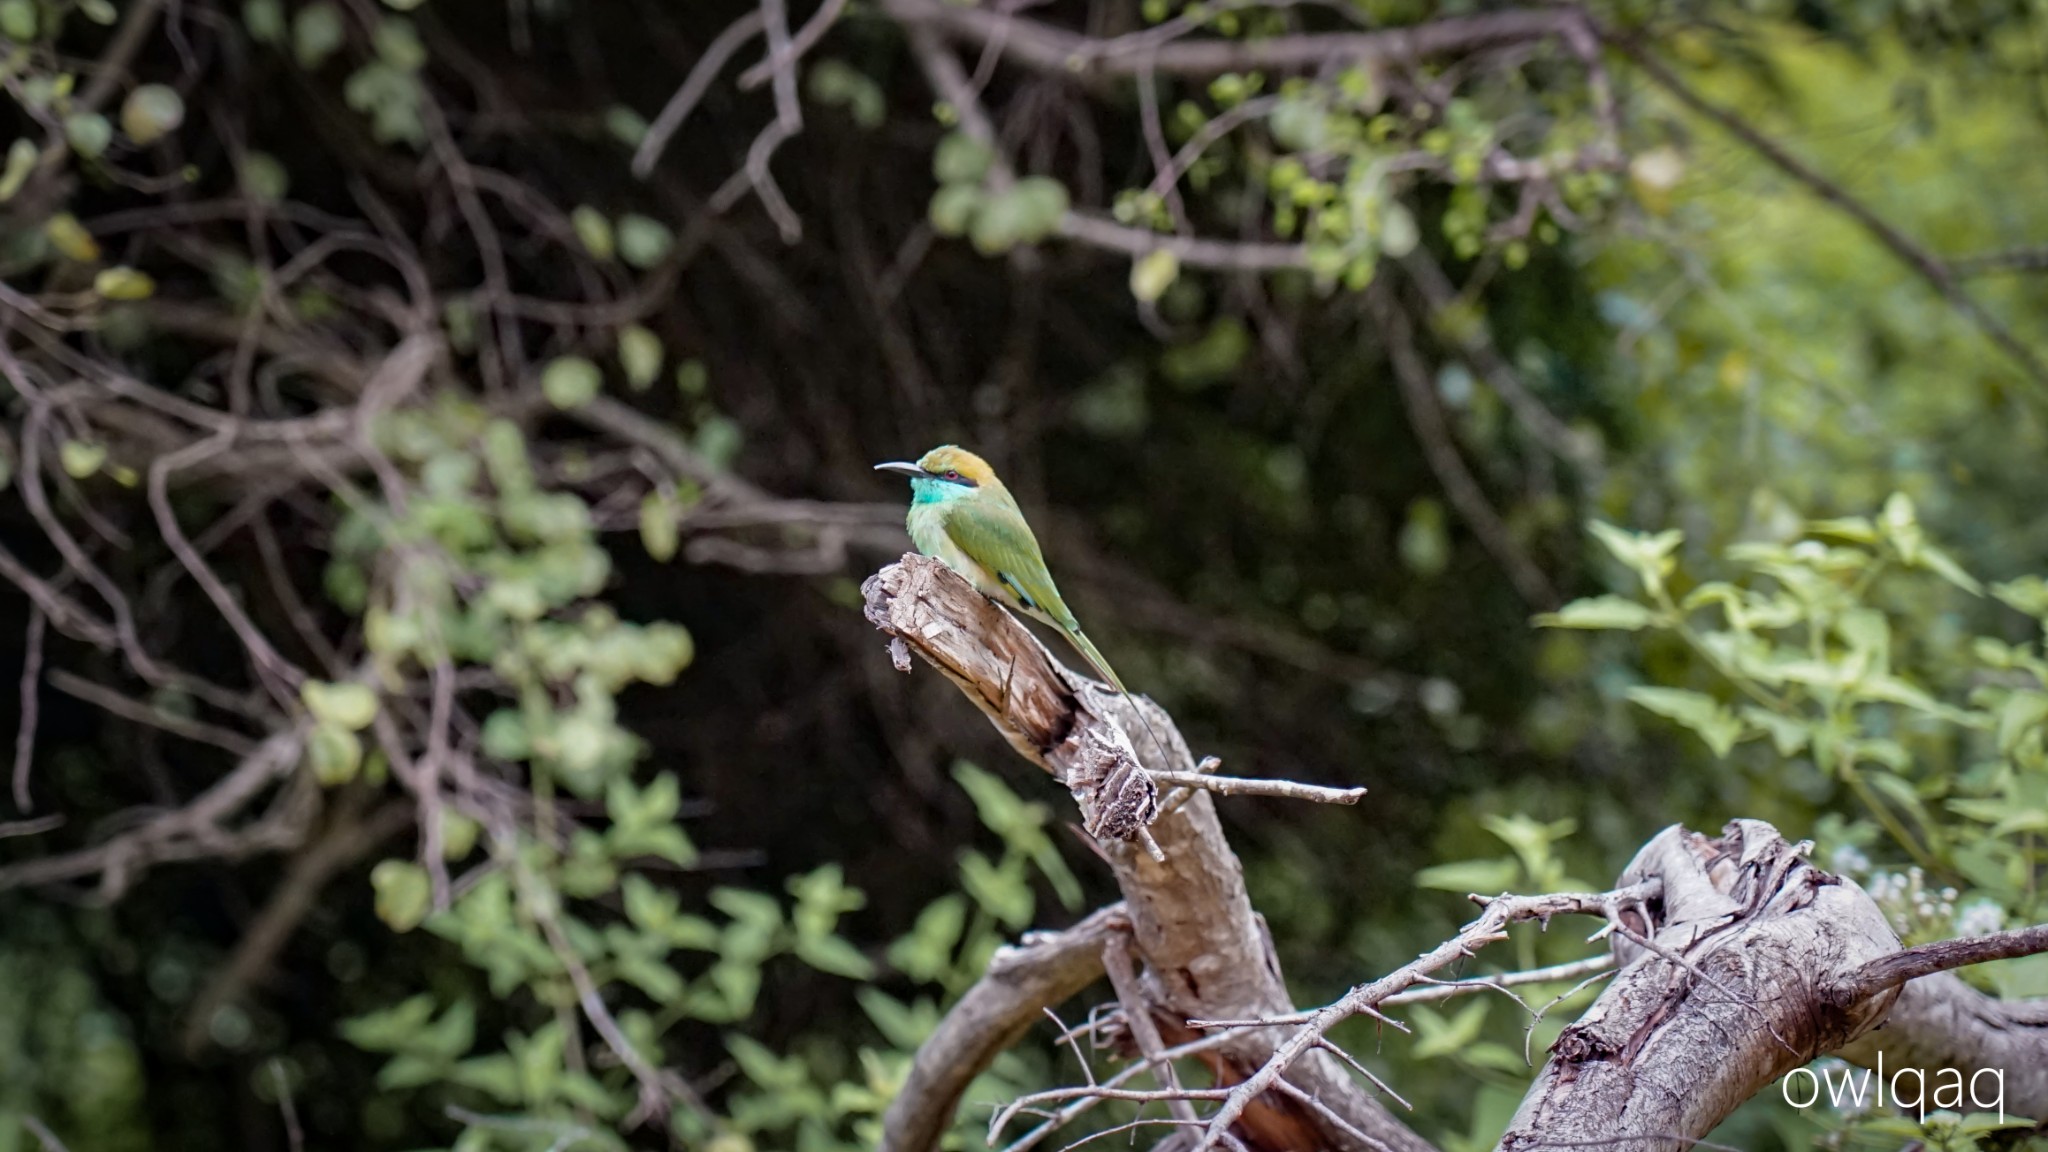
961, 514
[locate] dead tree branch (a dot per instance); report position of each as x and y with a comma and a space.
991, 1016
1205, 951
1046, 48
1755, 966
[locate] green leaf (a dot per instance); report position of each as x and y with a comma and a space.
151, 112
904, 1025
403, 893
389, 1029
1706, 717
1600, 612
644, 242
1485, 877
81, 459
753, 908
1153, 273
1650, 557
660, 533
71, 238
494, 1075
264, 20
834, 955
1788, 734
448, 1037
2028, 594
1901, 526
123, 283
21, 161
836, 83
264, 178
317, 33
648, 907
18, 20
1943, 565
640, 353
348, 705
625, 125
927, 950
1437, 1036
1498, 1057
89, 133
1029, 211
1003, 891
570, 382
658, 980
594, 231
953, 207
398, 45
2023, 712
335, 754
961, 159
1854, 528
764, 1067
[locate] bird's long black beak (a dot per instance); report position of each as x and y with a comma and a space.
901, 468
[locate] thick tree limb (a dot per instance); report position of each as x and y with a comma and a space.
1940, 1022
1205, 951
1042, 46
1008, 999
1716, 1001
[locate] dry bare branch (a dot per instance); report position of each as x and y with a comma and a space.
1205, 952
1044, 970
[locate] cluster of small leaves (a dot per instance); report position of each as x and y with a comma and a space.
1939, 736
48, 91
818, 1100
995, 216
1338, 156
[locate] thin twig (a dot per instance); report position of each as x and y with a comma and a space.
295, 1137
31, 700
1927, 959
1446, 989
692, 90
805, 39
1418, 396
1909, 252
1244, 786
1489, 928
1123, 977
34, 827
44, 1136
143, 713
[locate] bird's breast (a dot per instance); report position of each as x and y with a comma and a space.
928, 531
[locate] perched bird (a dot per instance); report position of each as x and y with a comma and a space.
961, 514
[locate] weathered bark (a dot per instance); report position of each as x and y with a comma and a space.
1742, 971
1205, 951
1940, 1022
1730, 997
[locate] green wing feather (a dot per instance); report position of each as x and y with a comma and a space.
995, 533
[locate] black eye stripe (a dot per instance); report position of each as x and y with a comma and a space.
953, 476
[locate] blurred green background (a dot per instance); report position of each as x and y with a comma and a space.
1323, 570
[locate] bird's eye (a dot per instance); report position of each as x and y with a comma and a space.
952, 475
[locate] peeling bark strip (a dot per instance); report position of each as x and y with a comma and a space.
1726, 998
1204, 949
